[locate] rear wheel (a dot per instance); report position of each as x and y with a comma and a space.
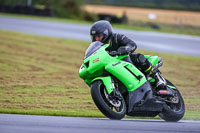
111, 106
173, 111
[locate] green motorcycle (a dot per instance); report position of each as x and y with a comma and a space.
118, 88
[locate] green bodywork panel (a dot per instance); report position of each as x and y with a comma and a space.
127, 74
93, 67
90, 69
173, 87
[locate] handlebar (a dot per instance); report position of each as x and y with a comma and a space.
116, 53
113, 53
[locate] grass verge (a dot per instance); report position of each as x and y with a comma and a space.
39, 75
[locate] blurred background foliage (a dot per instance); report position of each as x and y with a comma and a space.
186, 23
61, 8
73, 8
189, 5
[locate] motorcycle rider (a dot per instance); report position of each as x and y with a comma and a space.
102, 31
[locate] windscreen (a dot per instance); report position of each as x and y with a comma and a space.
92, 48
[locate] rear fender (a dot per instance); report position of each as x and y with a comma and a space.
153, 59
107, 81
172, 87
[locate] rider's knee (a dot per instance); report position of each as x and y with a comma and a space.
138, 58
140, 61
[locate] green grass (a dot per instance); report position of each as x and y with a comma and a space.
39, 75
135, 25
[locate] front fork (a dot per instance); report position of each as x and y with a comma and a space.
110, 87
116, 93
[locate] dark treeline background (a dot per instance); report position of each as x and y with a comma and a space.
73, 8
60, 8
190, 5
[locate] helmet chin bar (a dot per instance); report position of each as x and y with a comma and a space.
106, 39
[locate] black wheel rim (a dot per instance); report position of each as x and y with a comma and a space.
116, 109
176, 107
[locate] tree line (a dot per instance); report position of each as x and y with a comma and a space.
190, 5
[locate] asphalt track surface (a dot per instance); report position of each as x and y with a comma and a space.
51, 124
170, 43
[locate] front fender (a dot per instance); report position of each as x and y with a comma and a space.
107, 81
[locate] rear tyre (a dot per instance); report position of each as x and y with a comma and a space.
110, 106
173, 111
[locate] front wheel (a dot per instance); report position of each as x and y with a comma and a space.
173, 111
110, 106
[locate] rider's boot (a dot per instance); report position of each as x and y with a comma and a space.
161, 84
148, 69
160, 80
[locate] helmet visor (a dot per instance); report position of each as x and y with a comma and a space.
97, 37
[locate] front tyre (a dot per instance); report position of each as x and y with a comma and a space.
173, 111
110, 106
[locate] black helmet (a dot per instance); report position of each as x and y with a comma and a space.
101, 27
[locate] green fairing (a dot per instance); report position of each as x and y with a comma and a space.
94, 66
128, 79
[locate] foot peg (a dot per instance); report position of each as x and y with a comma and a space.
165, 93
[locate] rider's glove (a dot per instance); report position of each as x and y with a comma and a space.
121, 51
124, 50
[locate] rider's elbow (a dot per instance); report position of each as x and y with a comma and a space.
132, 45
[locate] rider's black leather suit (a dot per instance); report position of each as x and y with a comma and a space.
124, 45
